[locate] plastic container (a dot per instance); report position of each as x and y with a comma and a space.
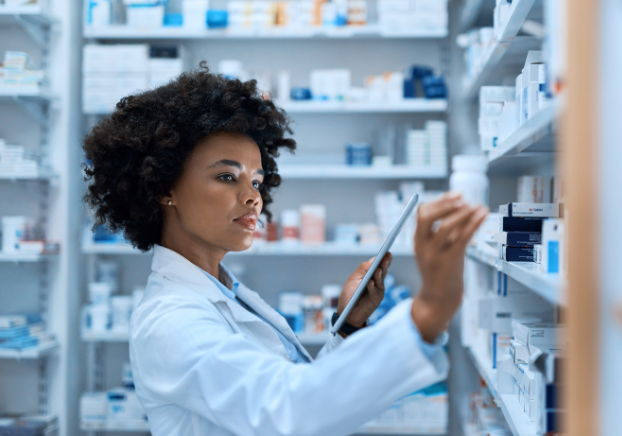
100, 292
127, 379
469, 178
99, 317
121, 311
313, 223
290, 306
290, 225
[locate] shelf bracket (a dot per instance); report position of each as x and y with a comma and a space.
37, 31
36, 110
43, 386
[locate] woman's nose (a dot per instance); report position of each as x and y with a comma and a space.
251, 195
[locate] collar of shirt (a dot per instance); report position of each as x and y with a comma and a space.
228, 278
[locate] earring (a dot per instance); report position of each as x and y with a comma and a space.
169, 203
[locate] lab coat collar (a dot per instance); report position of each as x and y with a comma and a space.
176, 268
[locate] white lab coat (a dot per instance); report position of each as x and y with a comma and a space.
203, 365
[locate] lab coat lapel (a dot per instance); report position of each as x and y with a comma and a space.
178, 269
270, 315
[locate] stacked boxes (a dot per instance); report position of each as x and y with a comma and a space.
23, 331
29, 425
18, 76
112, 72
428, 147
491, 103
16, 161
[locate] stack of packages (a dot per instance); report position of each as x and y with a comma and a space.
512, 301
422, 412
532, 372
484, 416
29, 425
531, 230
18, 76
116, 409
22, 331
112, 72
15, 161
421, 15
428, 147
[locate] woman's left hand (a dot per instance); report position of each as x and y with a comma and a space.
372, 296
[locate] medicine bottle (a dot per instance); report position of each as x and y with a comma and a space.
469, 178
290, 225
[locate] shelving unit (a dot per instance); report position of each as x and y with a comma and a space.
115, 426
29, 353
267, 249
368, 31
405, 106
23, 257
472, 10
349, 172
517, 419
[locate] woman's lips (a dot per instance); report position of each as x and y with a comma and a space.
248, 221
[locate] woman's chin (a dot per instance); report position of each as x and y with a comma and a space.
241, 245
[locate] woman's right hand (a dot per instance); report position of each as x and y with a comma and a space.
440, 250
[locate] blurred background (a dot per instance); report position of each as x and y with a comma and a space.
497, 99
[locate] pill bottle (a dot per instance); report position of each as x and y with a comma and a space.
290, 225
99, 292
469, 178
313, 223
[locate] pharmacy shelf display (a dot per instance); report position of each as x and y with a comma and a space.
173, 32
500, 57
41, 175
472, 10
25, 15
23, 257
413, 105
267, 249
30, 352
358, 172
115, 426
517, 419
519, 10
532, 141
548, 285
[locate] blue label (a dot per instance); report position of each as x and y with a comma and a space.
553, 266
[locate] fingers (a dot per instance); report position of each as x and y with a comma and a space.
454, 222
431, 212
471, 226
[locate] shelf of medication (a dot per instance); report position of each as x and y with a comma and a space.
30, 352
402, 106
116, 426
35, 12
519, 10
535, 136
269, 249
471, 11
31, 92
23, 257
361, 172
499, 56
43, 175
394, 430
517, 419
547, 285
172, 32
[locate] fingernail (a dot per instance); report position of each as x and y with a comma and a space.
459, 203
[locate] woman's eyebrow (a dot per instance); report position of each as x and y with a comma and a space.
260, 172
226, 162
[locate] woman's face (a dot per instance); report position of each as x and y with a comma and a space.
216, 201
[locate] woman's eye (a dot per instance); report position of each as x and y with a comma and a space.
256, 185
227, 177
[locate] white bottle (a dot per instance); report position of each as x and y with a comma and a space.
469, 178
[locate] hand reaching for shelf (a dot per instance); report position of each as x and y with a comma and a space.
444, 228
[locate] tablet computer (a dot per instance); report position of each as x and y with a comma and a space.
372, 269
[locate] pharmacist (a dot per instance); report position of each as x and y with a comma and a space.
185, 170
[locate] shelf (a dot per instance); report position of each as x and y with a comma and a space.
472, 10
42, 175
268, 249
519, 10
528, 145
14, 93
108, 336
348, 32
547, 285
116, 426
502, 59
23, 257
30, 352
517, 419
413, 105
350, 172
393, 430
34, 13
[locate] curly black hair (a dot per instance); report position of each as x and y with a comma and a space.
136, 155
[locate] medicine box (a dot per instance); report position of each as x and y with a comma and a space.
518, 254
496, 313
94, 407
519, 239
539, 335
520, 224
536, 210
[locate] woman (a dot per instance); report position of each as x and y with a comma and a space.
186, 169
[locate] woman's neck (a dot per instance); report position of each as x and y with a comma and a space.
199, 252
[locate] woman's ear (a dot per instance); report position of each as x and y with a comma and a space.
167, 200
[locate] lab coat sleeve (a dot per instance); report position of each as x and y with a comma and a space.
333, 342
190, 357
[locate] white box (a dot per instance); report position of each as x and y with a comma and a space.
539, 335
145, 16
123, 405
496, 313
534, 189
94, 407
